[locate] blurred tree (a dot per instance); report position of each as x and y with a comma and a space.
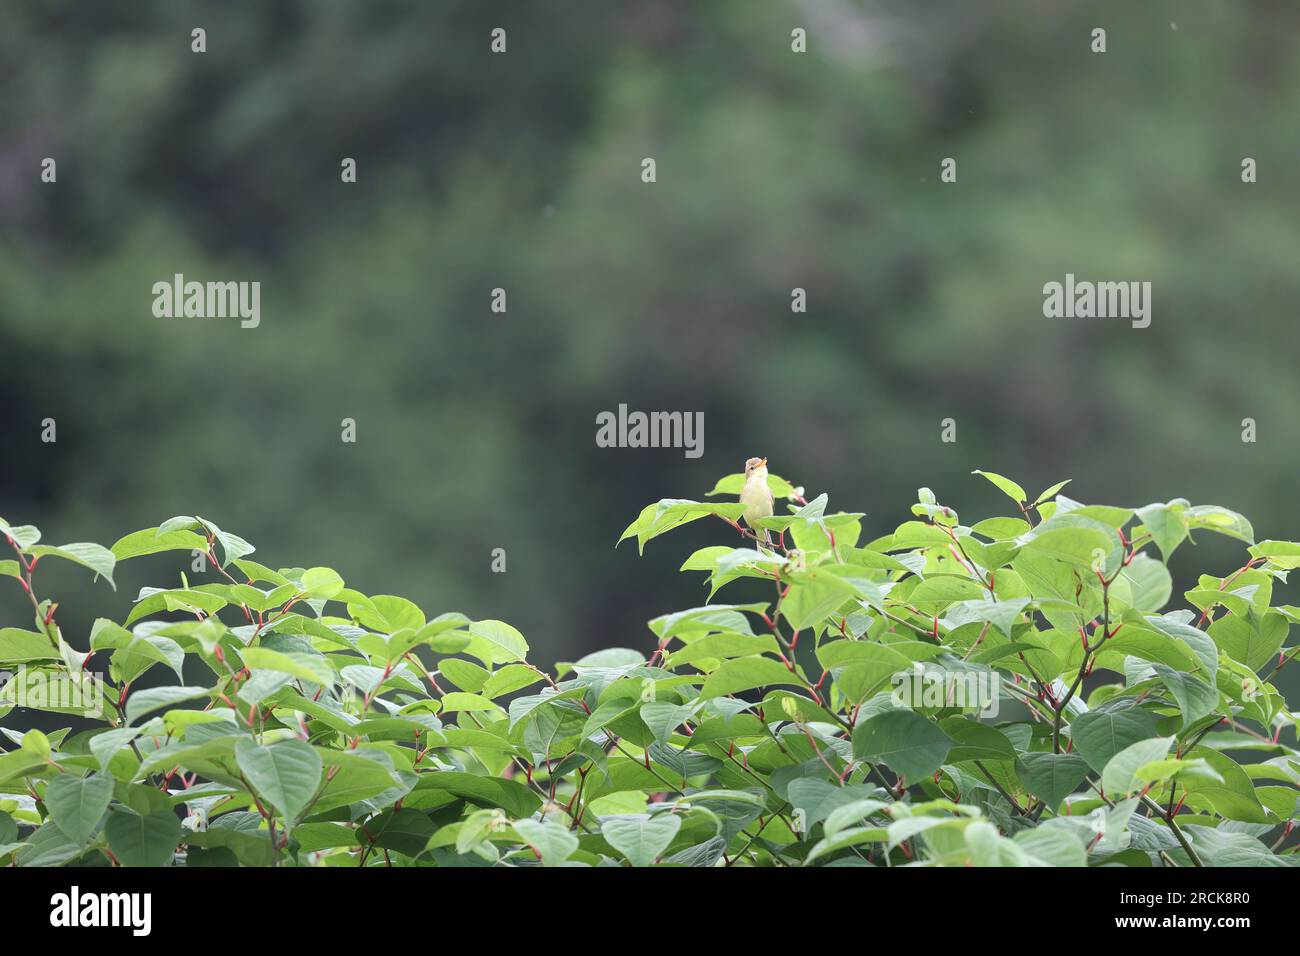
521, 171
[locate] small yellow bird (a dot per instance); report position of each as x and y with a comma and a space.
756, 496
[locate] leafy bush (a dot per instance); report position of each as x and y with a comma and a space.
1005, 693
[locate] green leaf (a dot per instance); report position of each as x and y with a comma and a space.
21, 647
1196, 698
746, 673
1119, 778
1226, 848
1173, 768
1051, 777
105, 746
1251, 640
1145, 585
641, 838
663, 516
906, 742
47, 846
153, 541
869, 667
496, 642
135, 653
148, 840
817, 799
1052, 847
1050, 492
1100, 735
1214, 518
142, 702
732, 485
286, 774
232, 545
1009, 487
1232, 795
94, 556
1201, 644
1078, 540
358, 778
1001, 614
551, 842
22, 535
406, 831
510, 795
313, 668
322, 583
1282, 554
663, 717
1166, 524
976, 741
77, 804
387, 614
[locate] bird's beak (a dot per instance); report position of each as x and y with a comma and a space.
763, 463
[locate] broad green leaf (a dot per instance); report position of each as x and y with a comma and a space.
20, 647
1052, 847
1166, 525
153, 541
143, 840
94, 556
313, 668
509, 679
640, 837
1051, 777
106, 745
142, 702
1119, 778
495, 642
1100, 735
1252, 640
723, 645
663, 516
1232, 795
510, 795
1051, 491
406, 831
1078, 540
1173, 768
1145, 585
232, 545
551, 842
1222, 520
1196, 698
22, 535
815, 799
732, 485
1227, 848
746, 673
1282, 554
909, 744
976, 741
286, 774
1001, 614
77, 804
322, 582
1007, 486
387, 613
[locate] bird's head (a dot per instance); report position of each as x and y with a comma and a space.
756, 466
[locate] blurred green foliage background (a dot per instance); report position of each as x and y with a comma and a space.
775, 170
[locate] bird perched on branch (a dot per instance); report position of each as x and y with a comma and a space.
757, 497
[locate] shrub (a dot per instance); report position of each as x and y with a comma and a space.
1006, 693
